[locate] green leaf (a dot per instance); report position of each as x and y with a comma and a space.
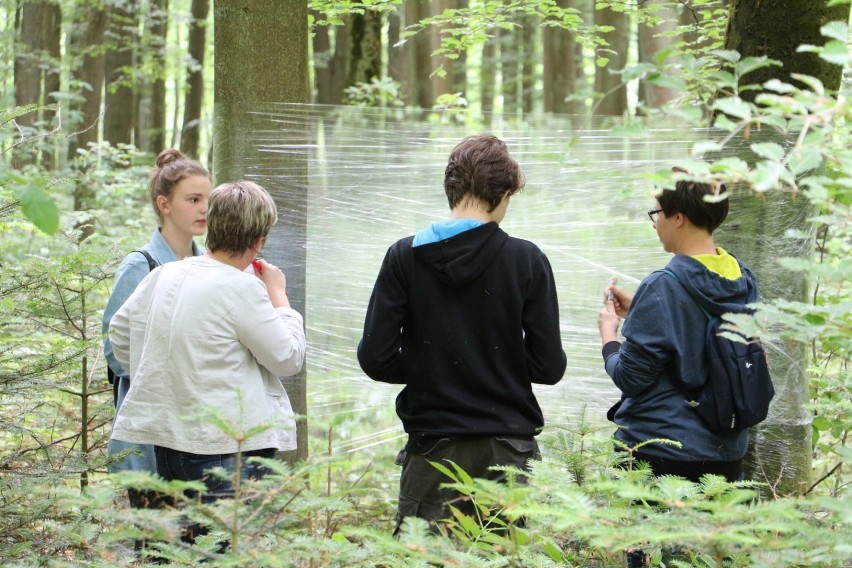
733, 106
601, 61
821, 423
667, 82
815, 319
40, 208
779, 86
699, 148
768, 150
765, 176
836, 52
630, 131
750, 64
806, 159
727, 55
837, 30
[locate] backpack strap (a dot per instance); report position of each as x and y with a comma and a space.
152, 264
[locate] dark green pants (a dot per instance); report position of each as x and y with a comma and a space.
420, 491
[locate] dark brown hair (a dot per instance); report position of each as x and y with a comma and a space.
480, 167
172, 168
688, 198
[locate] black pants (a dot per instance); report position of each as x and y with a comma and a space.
692, 470
420, 491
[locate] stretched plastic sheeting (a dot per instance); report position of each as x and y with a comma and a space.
364, 178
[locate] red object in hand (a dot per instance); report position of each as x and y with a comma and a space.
258, 267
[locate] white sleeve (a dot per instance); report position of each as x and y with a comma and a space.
275, 336
119, 329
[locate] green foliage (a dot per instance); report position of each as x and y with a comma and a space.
378, 92
581, 506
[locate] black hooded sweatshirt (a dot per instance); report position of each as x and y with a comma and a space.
467, 324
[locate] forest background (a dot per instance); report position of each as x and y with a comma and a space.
91, 91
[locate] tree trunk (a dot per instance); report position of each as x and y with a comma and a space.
609, 85
268, 65
419, 56
488, 76
528, 49
151, 114
560, 67
191, 130
758, 28
365, 62
323, 54
651, 42
37, 70
119, 94
340, 61
511, 70
441, 85
395, 55
92, 74
780, 451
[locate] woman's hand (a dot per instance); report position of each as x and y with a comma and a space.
276, 283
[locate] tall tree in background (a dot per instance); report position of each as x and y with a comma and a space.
119, 96
454, 78
607, 84
781, 452
395, 53
37, 65
560, 67
488, 76
151, 114
323, 64
332, 80
268, 65
418, 87
766, 28
511, 70
657, 38
91, 76
365, 61
194, 96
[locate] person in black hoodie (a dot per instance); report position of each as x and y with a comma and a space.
467, 319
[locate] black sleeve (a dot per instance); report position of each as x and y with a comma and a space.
379, 349
546, 359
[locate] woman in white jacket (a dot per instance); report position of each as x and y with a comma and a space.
201, 337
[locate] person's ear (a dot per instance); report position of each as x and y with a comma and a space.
162, 204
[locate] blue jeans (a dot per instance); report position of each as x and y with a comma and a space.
186, 466
142, 458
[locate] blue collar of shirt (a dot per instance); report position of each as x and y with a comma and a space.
444, 230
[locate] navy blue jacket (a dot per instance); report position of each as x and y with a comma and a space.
467, 324
664, 336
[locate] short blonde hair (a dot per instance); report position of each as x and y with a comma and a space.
238, 214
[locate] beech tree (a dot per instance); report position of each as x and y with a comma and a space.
780, 453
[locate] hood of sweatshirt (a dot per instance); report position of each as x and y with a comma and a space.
461, 259
715, 293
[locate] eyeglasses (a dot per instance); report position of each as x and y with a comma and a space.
652, 215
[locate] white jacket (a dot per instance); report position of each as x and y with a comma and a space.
198, 334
